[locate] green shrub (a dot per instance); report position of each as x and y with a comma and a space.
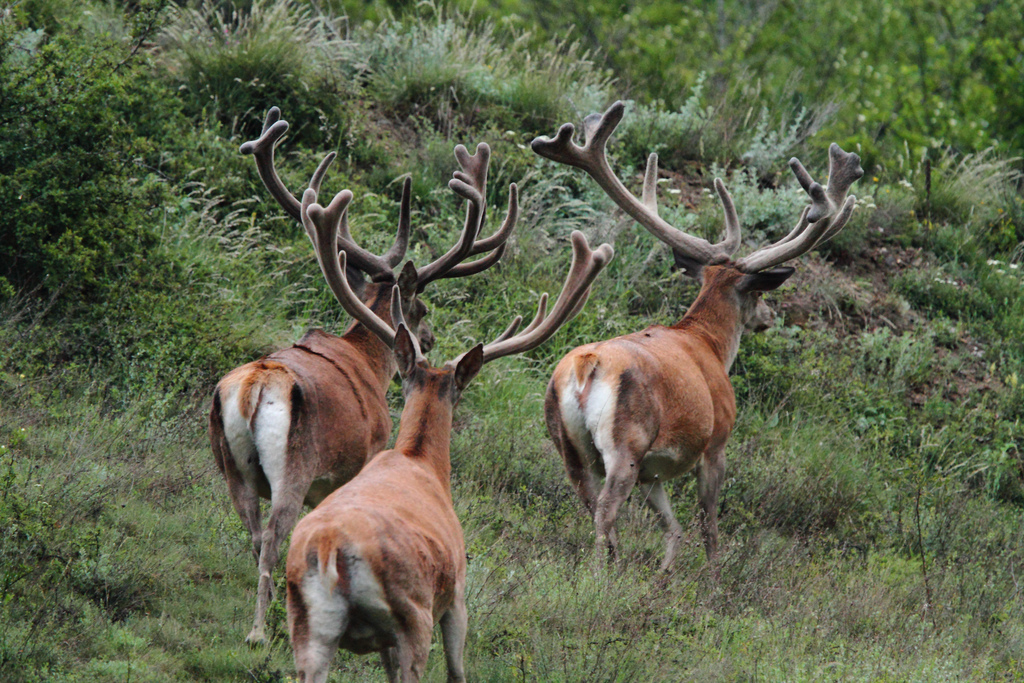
675, 136
232, 65
71, 191
897, 361
972, 191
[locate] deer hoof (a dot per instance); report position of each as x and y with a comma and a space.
256, 637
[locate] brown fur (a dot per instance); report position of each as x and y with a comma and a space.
338, 417
392, 526
672, 408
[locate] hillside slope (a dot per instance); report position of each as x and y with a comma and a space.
871, 519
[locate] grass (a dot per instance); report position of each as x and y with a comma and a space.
863, 538
455, 73
229, 62
822, 574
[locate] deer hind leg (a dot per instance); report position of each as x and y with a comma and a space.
414, 646
284, 512
247, 505
710, 474
581, 475
621, 477
287, 491
230, 437
389, 658
453, 635
656, 499
317, 616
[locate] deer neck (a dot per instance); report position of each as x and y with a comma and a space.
715, 318
379, 357
425, 431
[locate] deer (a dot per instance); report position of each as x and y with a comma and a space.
298, 423
646, 407
382, 559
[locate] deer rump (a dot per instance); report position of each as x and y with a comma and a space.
265, 414
359, 570
640, 399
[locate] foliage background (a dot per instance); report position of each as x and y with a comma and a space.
871, 518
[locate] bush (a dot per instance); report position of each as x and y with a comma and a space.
675, 136
71, 191
978, 192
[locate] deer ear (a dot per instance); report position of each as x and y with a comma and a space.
407, 280
405, 351
766, 280
469, 366
689, 266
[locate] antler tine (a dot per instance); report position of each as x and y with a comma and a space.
396, 253
470, 183
361, 259
324, 224
843, 171
829, 211
650, 193
512, 328
800, 226
462, 248
497, 242
474, 166
542, 312
579, 305
502, 234
592, 158
732, 221
839, 222
262, 149
586, 264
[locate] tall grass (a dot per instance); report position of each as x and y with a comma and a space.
232, 62
979, 191
447, 69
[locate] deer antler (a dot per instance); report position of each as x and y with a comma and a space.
586, 264
828, 212
324, 225
377, 267
471, 184
327, 228
592, 158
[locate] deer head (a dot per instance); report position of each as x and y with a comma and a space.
829, 210
369, 276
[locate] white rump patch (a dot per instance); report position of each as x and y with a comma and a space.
239, 438
592, 424
327, 611
366, 592
273, 420
600, 418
